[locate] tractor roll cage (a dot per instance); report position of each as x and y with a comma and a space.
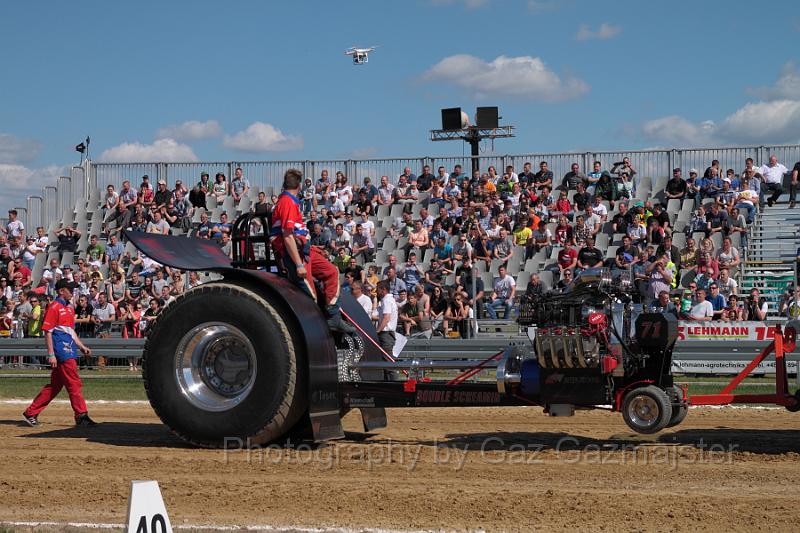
248, 245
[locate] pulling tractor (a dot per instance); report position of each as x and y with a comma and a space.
250, 357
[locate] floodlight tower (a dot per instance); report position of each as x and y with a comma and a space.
455, 125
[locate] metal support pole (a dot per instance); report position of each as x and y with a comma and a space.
474, 299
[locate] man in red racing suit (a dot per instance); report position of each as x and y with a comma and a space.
304, 263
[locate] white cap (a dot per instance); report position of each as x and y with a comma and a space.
693, 171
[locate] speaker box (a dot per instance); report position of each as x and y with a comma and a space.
486, 118
451, 118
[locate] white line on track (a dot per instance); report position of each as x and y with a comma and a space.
207, 527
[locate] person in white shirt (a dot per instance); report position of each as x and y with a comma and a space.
727, 285
367, 225
503, 296
772, 173
385, 191
14, 227
599, 209
702, 310
387, 317
42, 240
357, 290
110, 204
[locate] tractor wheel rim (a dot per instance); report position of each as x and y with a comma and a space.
215, 366
643, 411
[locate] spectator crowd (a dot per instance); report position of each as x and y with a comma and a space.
452, 247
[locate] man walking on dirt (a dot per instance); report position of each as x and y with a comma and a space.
62, 355
304, 263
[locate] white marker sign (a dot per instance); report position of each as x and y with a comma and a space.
146, 510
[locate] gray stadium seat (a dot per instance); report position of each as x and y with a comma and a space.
38, 267
516, 260
522, 282
67, 259
380, 233
384, 211
716, 238
661, 183
244, 204
674, 206
611, 252
198, 212
228, 205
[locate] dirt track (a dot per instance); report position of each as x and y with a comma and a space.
497, 469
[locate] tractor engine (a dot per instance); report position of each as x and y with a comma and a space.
583, 349
572, 326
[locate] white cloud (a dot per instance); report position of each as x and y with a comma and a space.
678, 131
162, 150
469, 4
761, 122
523, 76
191, 130
777, 121
262, 137
787, 86
14, 150
605, 31
18, 182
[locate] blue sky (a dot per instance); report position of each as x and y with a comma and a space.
268, 80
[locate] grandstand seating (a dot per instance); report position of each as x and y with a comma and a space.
87, 217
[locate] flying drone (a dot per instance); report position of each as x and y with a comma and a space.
360, 55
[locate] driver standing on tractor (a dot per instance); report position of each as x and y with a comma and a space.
304, 263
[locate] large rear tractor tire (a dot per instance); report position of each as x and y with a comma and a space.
220, 369
647, 409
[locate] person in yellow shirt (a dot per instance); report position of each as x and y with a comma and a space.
36, 318
522, 233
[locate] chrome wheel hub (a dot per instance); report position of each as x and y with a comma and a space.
215, 366
643, 411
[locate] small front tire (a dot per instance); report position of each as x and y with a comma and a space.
647, 410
